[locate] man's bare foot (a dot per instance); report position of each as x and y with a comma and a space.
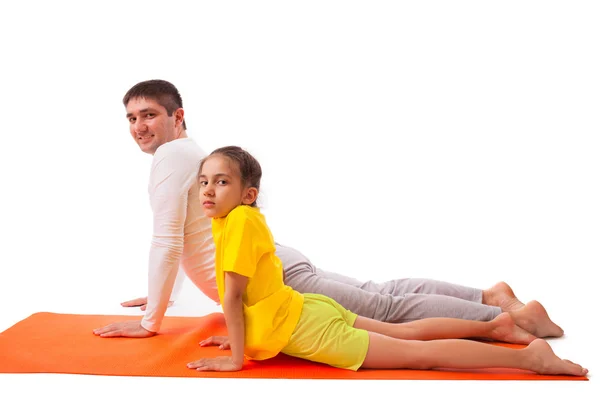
505, 330
501, 295
534, 319
544, 361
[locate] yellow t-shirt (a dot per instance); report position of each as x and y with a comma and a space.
244, 245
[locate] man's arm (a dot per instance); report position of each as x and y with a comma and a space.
168, 189
143, 301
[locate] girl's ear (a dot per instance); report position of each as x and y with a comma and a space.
249, 196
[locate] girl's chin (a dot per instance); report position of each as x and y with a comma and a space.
212, 214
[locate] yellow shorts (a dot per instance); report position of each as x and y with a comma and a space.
325, 334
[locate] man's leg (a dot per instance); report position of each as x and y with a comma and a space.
400, 287
396, 287
301, 275
499, 295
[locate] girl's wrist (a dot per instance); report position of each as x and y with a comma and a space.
237, 361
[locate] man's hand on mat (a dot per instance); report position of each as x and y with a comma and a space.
221, 341
140, 301
131, 329
215, 364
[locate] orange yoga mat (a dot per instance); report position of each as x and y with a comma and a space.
64, 343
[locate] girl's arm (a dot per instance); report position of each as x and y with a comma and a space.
235, 286
233, 308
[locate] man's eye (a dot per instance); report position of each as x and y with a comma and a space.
150, 115
132, 120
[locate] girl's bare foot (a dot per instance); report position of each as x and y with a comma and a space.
534, 319
505, 330
501, 295
544, 361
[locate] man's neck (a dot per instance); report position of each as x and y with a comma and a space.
181, 134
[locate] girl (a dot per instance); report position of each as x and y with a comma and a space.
265, 317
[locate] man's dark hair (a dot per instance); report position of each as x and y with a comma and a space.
163, 92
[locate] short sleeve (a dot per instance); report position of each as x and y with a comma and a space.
246, 240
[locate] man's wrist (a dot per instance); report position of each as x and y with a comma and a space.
146, 329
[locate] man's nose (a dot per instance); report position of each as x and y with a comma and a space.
140, 126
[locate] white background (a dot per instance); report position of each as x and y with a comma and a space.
454, 140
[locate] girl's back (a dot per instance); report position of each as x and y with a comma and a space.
245, 245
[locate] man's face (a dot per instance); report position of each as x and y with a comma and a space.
149, 124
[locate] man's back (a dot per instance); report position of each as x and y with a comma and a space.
182, 234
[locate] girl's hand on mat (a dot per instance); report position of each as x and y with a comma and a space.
215, 364
140, 301
221, 341
131, 329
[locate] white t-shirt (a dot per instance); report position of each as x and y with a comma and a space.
182, 235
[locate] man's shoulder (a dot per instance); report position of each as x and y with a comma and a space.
177, 162
185, 147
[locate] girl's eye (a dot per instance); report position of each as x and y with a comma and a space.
203, 183
222, 182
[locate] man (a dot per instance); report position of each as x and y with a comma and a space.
182, 238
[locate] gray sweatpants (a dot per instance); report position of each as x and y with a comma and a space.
399, 300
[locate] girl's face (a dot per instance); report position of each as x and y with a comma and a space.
221, 187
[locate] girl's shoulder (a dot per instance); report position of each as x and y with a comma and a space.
246, 212
247, 216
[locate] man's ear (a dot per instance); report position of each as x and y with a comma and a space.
250, 195
178, 116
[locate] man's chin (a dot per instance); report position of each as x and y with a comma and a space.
148, 149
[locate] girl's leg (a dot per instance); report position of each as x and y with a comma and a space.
501, 328
387, 353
